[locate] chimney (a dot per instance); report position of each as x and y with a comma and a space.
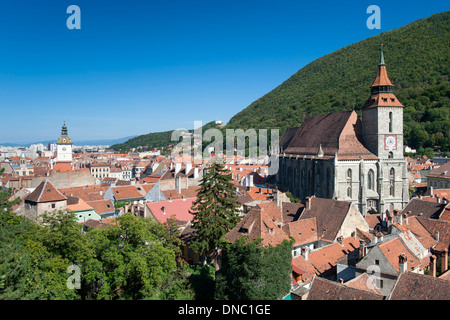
433, 266
340, 240
304, 252
177, 167
362, 249
195, 173
188, 167
437, 236
374, 239
405, 218
444, 261
308, 202
250, 178
380, 236
383, 219
398, 216
178, 184
402, 263
438, 200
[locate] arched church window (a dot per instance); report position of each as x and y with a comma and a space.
390, 121
392, 182
371, 180
349, 183
390, 155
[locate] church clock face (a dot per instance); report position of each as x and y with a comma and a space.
390, 142
64, 149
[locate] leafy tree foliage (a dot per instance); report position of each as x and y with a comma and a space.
254, 272
134, 259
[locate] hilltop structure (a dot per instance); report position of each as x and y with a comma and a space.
339, 156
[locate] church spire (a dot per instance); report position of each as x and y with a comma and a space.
382, 82
381, 91
382, 57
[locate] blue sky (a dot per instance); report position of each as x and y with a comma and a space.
136, 67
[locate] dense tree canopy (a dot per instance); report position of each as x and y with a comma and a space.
134, 259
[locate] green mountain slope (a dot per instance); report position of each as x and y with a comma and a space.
417, 59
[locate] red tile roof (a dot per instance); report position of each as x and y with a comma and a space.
257, 224
45, 192
303, 231
163, 210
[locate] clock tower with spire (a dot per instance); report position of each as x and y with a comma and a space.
64, 146
382, 117
382, 124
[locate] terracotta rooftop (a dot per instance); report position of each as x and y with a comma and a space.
102, 206
393, 248
303, 231
45, 192
179, 209
128, 192
257, 224
436, 228
79, 206
426, 209
292, 211
442, 172
363, 282
329, 213
333, 133
413, 286
323, 289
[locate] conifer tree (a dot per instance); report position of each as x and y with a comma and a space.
215, 210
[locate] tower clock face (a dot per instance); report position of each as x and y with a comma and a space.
390, 142
64, 149
64, 140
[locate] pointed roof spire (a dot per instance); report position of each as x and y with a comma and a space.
382, 78
382, 57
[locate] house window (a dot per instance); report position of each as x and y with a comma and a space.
53, 206
377, 262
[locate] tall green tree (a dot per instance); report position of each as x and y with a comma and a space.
216, 210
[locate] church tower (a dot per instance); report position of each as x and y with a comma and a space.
382, 117
382, 124
64, 146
